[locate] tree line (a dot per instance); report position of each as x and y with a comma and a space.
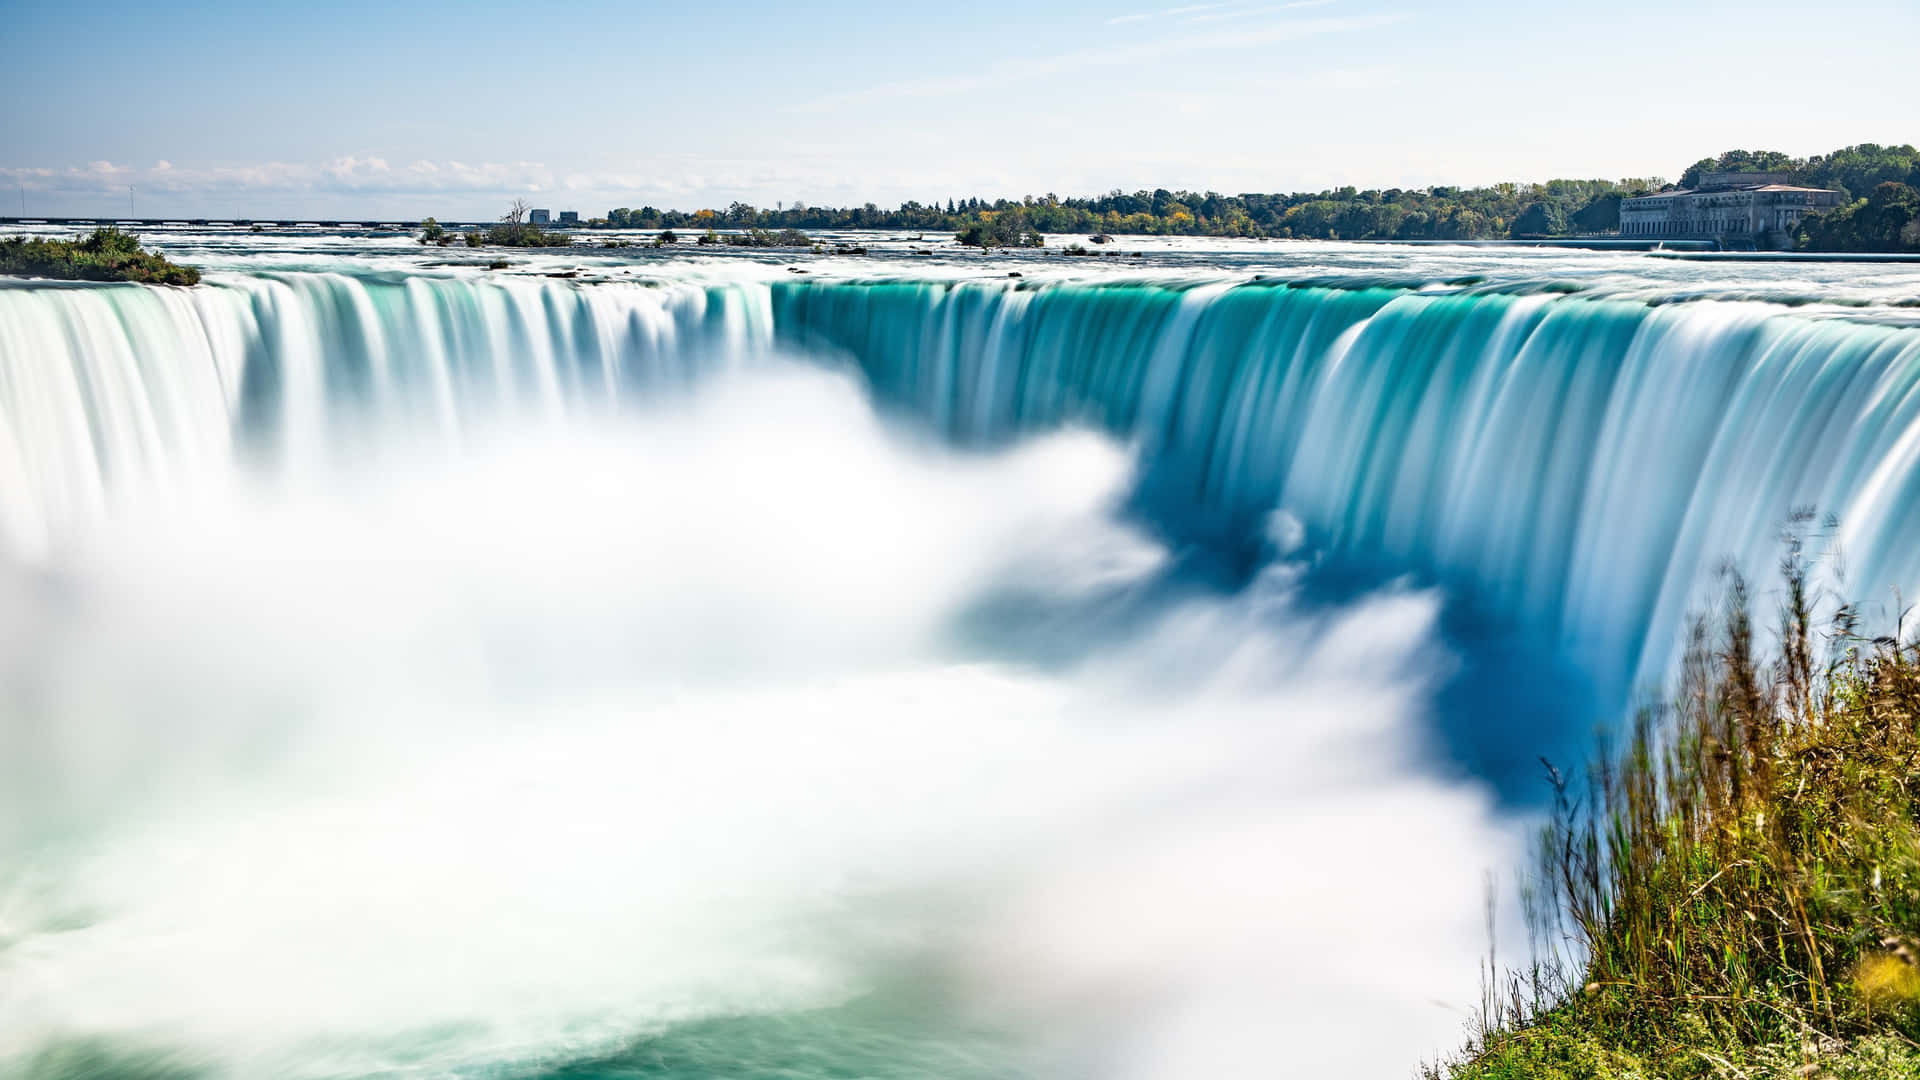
1439, 213
1556, 208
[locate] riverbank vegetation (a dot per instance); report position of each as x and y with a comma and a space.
1343, 214
107, 254
1498, 211
1852, 170
1737, 895
1886, 220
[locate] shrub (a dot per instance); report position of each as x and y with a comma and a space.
766, 238
1003, 228
520, 234
107, 254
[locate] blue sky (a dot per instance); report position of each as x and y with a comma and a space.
451, 109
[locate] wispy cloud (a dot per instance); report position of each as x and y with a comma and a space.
1205, 13
1246, 96
1012, 71
350, 174
1169, 13
1244, 13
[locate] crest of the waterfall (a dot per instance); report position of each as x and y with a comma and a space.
1579, 466
1576, 465
118, 393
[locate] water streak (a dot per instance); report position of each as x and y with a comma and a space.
1578, 463
1581, 464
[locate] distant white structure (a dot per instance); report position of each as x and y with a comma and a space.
539, 217
1763, 209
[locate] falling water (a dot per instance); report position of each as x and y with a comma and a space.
432, 674
1580, 463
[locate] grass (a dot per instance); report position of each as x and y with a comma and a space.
1737, 894
107, 254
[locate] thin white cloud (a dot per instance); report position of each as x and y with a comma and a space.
1248, 95
1169, 13
1244, 13
351, 174
1012, 71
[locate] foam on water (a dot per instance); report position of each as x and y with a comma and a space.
499, 756
419, 673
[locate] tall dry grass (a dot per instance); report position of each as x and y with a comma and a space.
1743, 874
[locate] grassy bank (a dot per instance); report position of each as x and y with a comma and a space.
1737, 894
106, 255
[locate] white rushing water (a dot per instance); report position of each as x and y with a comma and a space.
406, 673
455, 759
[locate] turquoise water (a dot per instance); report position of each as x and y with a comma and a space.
1578, 460
899, 668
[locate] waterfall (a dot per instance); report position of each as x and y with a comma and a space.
1579, 462
1582, 463
154, 391
469, 674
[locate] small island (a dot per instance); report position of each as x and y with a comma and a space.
107, 254
515, 229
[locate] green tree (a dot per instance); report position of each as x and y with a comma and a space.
1741, 161
1855, 169
1463, 224
1888, 221
1540, 219
1600, 215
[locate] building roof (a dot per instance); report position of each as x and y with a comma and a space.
1743, 178
1678, 192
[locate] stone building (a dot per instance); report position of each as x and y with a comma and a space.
1738, 209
